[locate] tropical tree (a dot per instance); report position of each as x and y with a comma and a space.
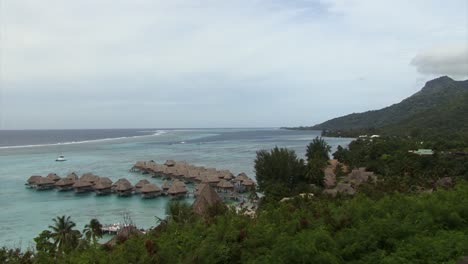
93, 230
65, 237
279, 171
318, 149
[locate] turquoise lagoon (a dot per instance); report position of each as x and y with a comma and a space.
24, 213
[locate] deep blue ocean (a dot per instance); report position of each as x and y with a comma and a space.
24, 213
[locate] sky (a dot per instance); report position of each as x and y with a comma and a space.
244, 63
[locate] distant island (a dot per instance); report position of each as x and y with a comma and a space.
441, 106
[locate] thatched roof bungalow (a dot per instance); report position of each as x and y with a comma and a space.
166, 185
82, 186
206, 199
150, 191
241, 177
177, 189
123, 187
103, 186
65, 184
72, 176
31, 182
44, 183
140, 185
225, 185
170, 163
89, 177
53, 176
211, 179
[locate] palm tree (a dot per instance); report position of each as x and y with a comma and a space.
93, 230
64, 236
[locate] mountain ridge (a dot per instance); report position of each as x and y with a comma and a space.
440, 99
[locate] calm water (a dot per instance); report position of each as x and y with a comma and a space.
24, 213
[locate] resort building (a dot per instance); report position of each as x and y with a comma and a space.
150, 191
31, 182
65, 184
82, 186
44, 183
207, 198
123, 187
103, 186
53, 177
177, 189
140, 185
89, 177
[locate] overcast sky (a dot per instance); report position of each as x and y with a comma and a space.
242, 63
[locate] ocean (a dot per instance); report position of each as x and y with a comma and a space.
24, 213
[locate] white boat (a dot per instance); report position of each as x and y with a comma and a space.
61, 158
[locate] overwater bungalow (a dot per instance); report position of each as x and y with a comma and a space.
31, 182
150, 191
166, 185
82, 186
123, 187
206, 199
227, 175
44, 183
139, 165
53, 177
248, 184
65, 184
211, 179
241, 177
103, 186
170, 163
225, 186
140, 185
177, 189
89, 177
72, 176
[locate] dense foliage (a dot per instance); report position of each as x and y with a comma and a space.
280, 173
399, 169
419, 228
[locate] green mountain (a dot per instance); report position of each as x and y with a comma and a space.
442, 104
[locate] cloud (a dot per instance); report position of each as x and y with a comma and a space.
177, 60
451, 60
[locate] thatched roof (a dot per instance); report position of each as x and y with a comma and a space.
166, 185
177, 187
139, 164
72, 176
241, 177
82, 183
65, 181
124, 234
225, 184
33, 179
345, 188
206, 198
170, 163
89, 177
105, 180
248, 182
358, 176
226, 174
142, 183
53, 177
123, 185
211, 179
330, 178
198, 188
44, 181
150, 188
103, 183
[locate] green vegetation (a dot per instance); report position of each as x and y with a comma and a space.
395, 220
280, 173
